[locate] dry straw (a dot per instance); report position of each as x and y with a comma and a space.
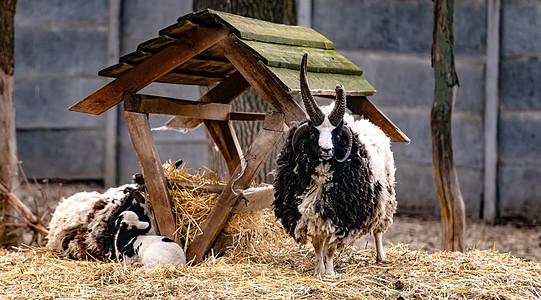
264, 263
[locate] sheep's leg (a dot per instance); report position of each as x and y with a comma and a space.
378, 239
318, 248
329, 256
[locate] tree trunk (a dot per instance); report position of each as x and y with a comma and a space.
8, 142
446, 84
279, 11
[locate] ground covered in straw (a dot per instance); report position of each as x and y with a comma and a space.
283, 273
264, 263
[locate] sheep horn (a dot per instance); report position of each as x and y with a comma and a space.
300, 130
349, 135
337, 114
316, 115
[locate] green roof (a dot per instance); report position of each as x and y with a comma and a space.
279, 47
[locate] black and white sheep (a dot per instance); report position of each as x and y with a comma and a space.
335, 179
133, 246
87, 225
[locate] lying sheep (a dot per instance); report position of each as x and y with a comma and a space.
134, 247
86, 225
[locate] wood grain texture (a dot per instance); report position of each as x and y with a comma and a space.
253, 159
151, 167
452, 208
224, 137
171, 106
175, 54
225, 92
363, 106
259, 78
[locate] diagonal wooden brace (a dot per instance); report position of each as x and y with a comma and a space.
245, 173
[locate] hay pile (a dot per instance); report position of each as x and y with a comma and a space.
33, 273
252, 232
264, 263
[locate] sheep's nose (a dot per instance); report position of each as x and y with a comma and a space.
326, 153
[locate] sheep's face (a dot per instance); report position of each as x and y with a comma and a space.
326, 127
129, 220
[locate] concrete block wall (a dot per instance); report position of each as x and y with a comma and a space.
391, 41
520, 110
61, 44
59, 47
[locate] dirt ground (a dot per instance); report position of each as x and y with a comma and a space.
419, 232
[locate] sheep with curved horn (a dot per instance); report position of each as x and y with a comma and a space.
335, 179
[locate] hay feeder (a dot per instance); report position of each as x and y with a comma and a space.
232, 53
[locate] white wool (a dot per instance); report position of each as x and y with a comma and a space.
68, 216
153, 251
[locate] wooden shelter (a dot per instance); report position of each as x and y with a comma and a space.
231, 53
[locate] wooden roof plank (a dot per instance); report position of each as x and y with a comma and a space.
365, 107
192, 43
260, 79
322, 83
258, 30
177, 29
285, 56
155, 44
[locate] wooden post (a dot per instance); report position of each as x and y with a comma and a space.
446, 84
151, 167
252, 161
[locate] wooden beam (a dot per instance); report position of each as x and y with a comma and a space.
362, 106
169, 106
225, 92
257, 75
251, 198
224, 137
151, 167
241, 179
247, 116
255, 199
193, 42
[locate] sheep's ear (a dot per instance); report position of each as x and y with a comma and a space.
300, 130
142, 225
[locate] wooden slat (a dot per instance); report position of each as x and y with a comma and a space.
177, 29
155, 44
225, 92
247, 116
151, 167
255, 199
322, 84
254, 158
256, 74
257, 30
192, 43
363, 106
170, 106
285, 56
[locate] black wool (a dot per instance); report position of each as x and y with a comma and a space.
106, 240
349, 201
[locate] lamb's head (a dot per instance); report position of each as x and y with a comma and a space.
128, 223
327, 128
